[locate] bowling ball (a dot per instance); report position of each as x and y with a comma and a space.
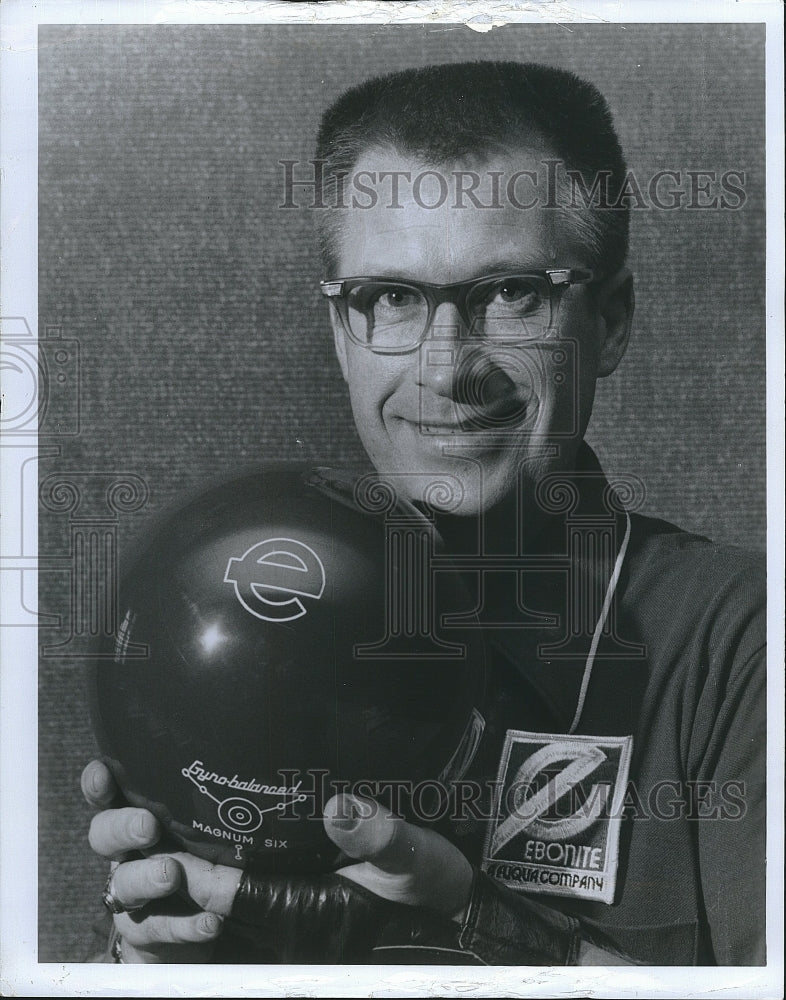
279, 642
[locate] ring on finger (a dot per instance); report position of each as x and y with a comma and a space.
110, 900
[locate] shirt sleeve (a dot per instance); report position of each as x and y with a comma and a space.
731, 809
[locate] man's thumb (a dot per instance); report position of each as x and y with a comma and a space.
399, 861
366, 830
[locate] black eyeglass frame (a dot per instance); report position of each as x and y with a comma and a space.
552, 280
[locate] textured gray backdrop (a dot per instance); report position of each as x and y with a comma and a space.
204, 343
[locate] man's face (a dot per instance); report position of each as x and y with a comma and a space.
490, 416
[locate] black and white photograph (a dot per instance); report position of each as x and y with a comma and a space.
347, 653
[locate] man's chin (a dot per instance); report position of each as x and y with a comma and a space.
465, 473
464, 487
468, 484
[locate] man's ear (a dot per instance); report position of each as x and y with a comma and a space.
339, 339
616, 302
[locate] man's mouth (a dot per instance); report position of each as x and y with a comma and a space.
502, 416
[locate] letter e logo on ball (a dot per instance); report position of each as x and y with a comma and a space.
271, 577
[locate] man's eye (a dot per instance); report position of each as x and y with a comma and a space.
379, 300
395, 298
512, 294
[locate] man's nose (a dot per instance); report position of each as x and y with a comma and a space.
439, 355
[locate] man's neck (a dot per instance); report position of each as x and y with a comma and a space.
520, 524
514, 524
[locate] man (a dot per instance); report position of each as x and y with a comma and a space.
474, 232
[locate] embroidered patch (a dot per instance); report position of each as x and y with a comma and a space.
556, 819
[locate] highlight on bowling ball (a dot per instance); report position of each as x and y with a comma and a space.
281, 638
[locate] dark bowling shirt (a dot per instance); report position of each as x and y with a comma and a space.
680, 667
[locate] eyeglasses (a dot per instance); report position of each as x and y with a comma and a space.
388, 316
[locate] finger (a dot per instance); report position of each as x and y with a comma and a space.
155, 930
211, 887
98, 786
399, 861
364, 829
136, 883
114, 832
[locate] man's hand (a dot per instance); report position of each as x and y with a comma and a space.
162, 927
397, 862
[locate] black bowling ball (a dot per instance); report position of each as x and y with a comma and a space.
279, 642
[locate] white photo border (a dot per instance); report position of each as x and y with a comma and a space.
20, 972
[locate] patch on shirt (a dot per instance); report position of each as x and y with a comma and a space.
556, 819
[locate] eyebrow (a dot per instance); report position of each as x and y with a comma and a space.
499, 266
508, 266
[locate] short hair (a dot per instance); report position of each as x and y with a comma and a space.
445, 113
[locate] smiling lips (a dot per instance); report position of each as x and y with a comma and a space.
476, 420
502, 414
